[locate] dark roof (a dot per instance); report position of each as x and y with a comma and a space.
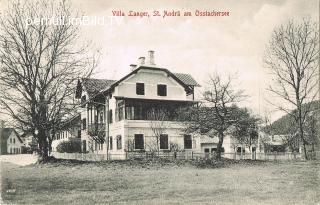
71, 121
6, 132
93, 86
186, 79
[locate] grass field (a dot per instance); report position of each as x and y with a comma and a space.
124, 183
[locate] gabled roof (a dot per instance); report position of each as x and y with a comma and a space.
94, 86
183, 79
6, 132
186, 79
74, 120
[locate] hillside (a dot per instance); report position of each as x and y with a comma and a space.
285, 124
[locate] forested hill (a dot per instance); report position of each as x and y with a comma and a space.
285, 124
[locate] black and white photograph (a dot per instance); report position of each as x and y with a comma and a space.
160, 102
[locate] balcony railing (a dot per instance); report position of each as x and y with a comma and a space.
97, 131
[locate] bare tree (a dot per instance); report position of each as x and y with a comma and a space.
40, 64
292, 56
158, 124
219, 111
222, 99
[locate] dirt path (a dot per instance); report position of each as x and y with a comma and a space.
19, 159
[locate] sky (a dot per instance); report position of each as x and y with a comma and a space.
196, 45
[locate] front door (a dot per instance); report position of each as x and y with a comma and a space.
206, 152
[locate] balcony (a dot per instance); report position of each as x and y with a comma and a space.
148, 109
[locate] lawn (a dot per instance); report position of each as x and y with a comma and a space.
124, 183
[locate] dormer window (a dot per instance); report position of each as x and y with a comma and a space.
162, 90
140, 88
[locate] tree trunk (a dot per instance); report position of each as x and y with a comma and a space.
219, 146
43, 145
158, 146
302, 137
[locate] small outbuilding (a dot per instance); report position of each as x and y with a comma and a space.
10, 141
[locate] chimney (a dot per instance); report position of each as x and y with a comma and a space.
141, 60
151, 57
133, 67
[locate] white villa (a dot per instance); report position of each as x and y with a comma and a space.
124, 116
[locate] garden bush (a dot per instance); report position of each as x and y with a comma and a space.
70, 146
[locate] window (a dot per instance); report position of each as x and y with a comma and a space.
164, 142
119, 142
239, 150
110, 116
79, 133
119, 110
102, 145
14, 140
83, 100
110, 143
162, 90
140, 88
10, 140
84, 123
130, 113
101, 117
187, 142
138, 141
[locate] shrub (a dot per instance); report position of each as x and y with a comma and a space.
70, 146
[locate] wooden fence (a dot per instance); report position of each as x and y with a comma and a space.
281, 156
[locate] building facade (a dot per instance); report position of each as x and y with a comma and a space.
11, 142
69, 131
139, 113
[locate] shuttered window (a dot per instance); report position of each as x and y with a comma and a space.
140, 88
164, 144
119, 142
187, 142
162, 90
138, 141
